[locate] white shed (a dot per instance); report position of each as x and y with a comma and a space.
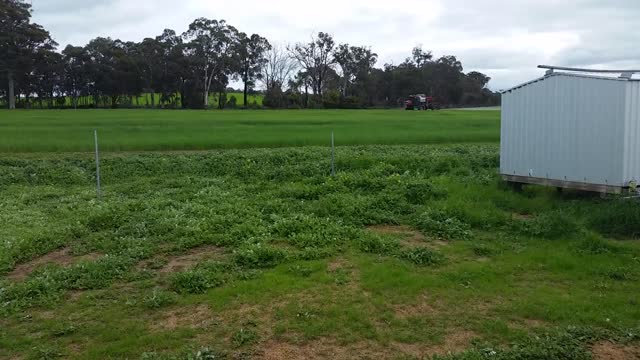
572, 130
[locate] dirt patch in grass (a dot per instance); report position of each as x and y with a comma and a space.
330, 349
194, 317
171, 264
534, 323
610, 351
518, 216
337, 264
454, 342
193, 257
61, 257
409, 237
424, 306
322, 349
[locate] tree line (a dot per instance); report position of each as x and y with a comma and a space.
182, 70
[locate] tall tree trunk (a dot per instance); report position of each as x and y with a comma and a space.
153, 98
206, 91
245, 93
306, 95
12, 95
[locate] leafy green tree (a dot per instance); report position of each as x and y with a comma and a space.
356, 63
76, 66
174, 67
149, 54
479, 78
316, 58
251, 58
20, 42
211, 45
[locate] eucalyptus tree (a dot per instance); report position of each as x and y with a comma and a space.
211, 44
316, 58
251, 59
356, 63
20, 43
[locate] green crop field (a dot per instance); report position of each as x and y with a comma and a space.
122, 130
252, 250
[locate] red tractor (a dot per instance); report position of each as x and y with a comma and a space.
421, 102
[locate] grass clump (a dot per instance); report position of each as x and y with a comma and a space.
300, 270
443, 225
244, 336
483, 250
619, 219
204, 353
195, 281
206, 275
379, 245
564, 344
421, 192
422, 256
158, 298
259, 256
594, 245
619, 274
550, 225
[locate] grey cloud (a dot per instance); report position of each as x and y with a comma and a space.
480, 33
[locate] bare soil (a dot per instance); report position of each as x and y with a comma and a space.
454, 342
322, 349
61, 257
194, 317
188, 260
409, 237
330, 349
610, 351
418, 309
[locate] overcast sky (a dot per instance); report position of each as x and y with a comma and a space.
505, 39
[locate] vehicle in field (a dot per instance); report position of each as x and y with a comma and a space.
421, 102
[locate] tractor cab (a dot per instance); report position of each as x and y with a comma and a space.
420, 102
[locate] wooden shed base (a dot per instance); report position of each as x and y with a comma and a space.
518, 181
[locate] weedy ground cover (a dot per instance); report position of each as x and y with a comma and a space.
409, 252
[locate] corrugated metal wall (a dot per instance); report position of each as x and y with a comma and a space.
565, 127
632, 133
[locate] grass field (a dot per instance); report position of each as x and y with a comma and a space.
120, 130
411, 251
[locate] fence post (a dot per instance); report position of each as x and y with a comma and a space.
333, 157
95, 137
